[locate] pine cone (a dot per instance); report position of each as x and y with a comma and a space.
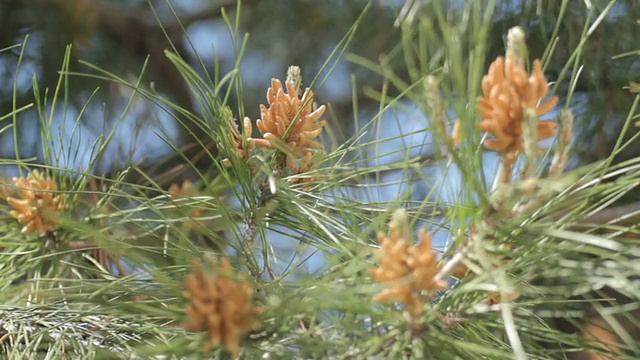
220, 305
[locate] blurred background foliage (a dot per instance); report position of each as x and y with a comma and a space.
119, 36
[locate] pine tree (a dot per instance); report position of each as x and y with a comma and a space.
273, 241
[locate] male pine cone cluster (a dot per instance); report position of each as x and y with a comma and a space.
287, 123
408, 271
508, 91
37, 206
219, 304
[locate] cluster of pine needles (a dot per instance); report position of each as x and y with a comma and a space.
96, 267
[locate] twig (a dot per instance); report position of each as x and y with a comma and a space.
512, 332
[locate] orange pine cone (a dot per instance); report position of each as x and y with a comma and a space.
507, 92
291, 120
408, 271
38, 208
220, 305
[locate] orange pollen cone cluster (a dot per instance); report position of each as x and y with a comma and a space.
38, 207
507, 92
291, 120
184, 191
407, 271
220, 305
239, 146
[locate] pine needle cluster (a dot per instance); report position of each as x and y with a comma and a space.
283, 247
